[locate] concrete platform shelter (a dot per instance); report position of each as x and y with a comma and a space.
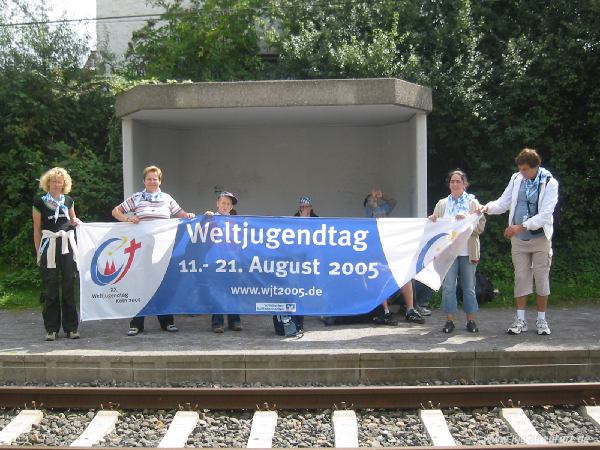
272, 142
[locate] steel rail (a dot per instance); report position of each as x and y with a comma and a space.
301, 397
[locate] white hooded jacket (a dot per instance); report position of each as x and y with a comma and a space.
547, 201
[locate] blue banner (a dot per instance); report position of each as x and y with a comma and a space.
257, 265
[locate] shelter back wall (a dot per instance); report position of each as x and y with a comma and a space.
271, 167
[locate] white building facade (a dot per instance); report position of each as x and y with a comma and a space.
116, 20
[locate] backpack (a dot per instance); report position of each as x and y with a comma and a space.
484, 289
285, 325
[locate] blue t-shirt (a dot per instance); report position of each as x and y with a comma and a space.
522, 213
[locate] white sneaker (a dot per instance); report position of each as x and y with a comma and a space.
542, 327
423, 311
51, 336
517, 327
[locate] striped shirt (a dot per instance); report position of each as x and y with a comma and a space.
164, 208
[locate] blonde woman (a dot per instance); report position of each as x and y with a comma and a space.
54, 239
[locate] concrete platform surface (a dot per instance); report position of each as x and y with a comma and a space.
328, 354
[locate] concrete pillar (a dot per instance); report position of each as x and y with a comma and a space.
127, 135
420, 198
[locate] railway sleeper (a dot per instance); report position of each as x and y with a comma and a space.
264, 425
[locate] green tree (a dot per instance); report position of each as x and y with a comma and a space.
52, 112
209, 40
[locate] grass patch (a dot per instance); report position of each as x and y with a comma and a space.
564, 294
19, 298
17, 292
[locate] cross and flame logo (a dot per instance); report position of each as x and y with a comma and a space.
112, 260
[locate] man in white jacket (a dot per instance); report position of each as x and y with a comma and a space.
530, 198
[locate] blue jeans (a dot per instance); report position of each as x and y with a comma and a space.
218, 320
466, 270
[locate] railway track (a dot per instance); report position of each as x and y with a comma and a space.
346, 416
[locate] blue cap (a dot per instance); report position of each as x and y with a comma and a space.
305, 201
230, 195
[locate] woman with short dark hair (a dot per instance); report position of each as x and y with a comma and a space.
530, 198
146, 205
456, 206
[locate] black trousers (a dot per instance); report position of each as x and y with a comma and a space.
138, 321
59, 309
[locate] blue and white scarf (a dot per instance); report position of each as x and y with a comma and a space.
153, 197
532, 186
59, 205
459, 205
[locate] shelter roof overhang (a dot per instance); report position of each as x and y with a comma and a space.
353, 102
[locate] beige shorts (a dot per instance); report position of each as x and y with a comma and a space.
532, 260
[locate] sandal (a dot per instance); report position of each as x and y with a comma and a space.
133, 331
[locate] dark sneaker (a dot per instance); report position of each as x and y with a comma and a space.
472, 327
385, 319
133, 331
414, 317
449, 327
235, 326
73, 334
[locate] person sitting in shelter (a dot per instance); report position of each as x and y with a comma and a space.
225, 202
305, 209
376, 206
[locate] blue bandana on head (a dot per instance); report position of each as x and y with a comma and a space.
532, 186
58, 205
459, 205
148, 196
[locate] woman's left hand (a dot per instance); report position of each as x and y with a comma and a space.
76, 221
190, 215
459, 216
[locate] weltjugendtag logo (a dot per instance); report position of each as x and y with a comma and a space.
112, 260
